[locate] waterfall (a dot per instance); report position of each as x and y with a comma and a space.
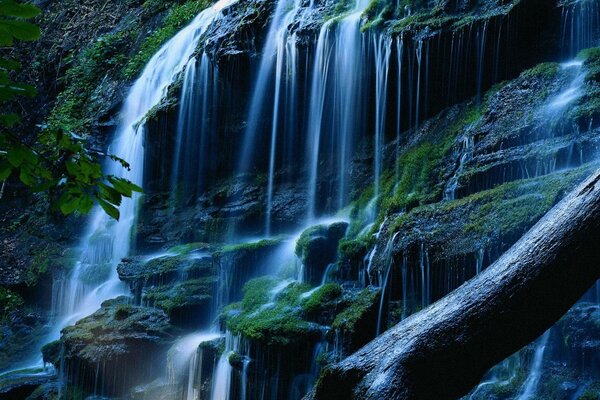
383, 49
530, 385
383, 280
337, 69
279, 53
107, 241
400, 56
579, 27
196, 128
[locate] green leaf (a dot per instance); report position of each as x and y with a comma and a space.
26, 177
9, 120
9, 64
18, 29
69, 203
11, 8
110, 194
5, 169
86, 204
111, 210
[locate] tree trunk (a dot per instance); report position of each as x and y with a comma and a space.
443, 351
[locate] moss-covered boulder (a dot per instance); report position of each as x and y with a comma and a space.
317, 248
238, 263
580, 331
357, 324
271, 313
130, 342
181, 283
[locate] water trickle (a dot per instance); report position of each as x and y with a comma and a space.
579, 27
384, 277
383, 50
337, 69
530, 385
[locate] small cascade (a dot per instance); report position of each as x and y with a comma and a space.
337, 70
535, 373
195, 129
279, 54
383, 278
481, 38
399, 63
222, 379
184, 361
425, 276
579, 27
465, 154
383, 48
404, 275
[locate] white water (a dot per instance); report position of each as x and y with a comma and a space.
337, 69
530, 385
107, 241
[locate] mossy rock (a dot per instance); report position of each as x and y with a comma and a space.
357, 324
119, 335
187, 303
271, 313
51, 353
317, 248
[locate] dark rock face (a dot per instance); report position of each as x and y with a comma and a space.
181, 285
117, 347
512, 158
580, 334
20, 331
317, 248
241, 32
27, 384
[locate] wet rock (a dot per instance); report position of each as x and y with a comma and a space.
241, 31
317, 248
356, 325
580, 329
24, 384
130, 342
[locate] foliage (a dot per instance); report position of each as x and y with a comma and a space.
9, 301
177, 18
55, 160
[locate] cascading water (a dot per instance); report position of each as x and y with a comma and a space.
530, 386
107, 241
338, 108
337, 69
280, 53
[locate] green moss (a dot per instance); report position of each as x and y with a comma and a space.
75, 108
179, 15
251, 246
319, 299
188, 293
51, 352
307, 235
418, 167
546, 71
9, 302
269, 317
184, 249
340, 8
587, 107
514, 206
348, 319
123, 311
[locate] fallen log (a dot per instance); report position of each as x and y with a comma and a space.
443, 351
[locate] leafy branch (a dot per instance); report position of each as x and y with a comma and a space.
54, 161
